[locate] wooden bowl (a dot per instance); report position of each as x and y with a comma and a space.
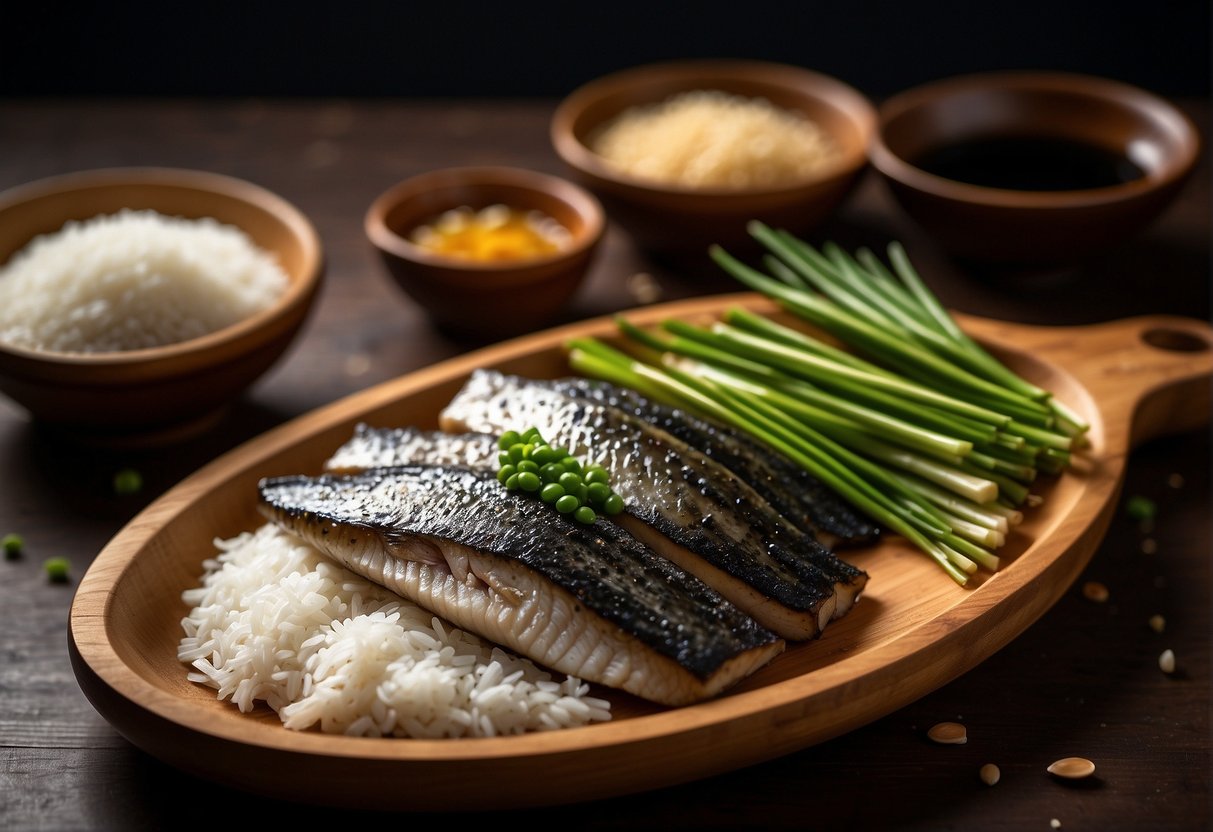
485, 300
1007, 225
683, 222
139, 395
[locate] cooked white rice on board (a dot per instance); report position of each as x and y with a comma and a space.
276, 621
133, 280
710, 138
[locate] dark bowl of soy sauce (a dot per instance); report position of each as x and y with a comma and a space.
1032, 168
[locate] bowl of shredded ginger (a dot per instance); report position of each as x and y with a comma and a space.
684, 154
486, 252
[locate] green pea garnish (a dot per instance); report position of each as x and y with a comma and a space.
12, 544
527, 463
598, 492
57, 569
127, 481
1140, 508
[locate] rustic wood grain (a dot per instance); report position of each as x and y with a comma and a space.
1082, 681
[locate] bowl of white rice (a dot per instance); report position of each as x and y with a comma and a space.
684, 154
143, 301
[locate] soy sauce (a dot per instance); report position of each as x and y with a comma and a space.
1029, 164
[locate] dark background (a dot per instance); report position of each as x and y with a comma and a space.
523, 49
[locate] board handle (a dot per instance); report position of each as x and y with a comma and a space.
1152, 374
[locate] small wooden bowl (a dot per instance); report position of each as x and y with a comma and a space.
141, 396
683, 221
483, 300
1027, 226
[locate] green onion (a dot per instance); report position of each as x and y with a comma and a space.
895, 407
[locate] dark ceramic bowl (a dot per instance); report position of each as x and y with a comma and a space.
1137, 149
485, 300
684, 221
154, 395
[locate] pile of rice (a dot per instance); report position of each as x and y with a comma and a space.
133, 280
276, 621
714, 139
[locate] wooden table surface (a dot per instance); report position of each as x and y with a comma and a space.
1083, 681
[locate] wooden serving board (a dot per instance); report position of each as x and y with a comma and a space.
913, 631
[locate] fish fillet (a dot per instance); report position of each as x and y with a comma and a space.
587, 600
790, 489
679, 502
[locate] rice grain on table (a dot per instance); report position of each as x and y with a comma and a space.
275, 621
133, 280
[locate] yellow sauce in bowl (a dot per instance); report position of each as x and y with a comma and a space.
493, 234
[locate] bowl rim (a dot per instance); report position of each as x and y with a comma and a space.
297, 294
842, 96
572, 195
1126, 96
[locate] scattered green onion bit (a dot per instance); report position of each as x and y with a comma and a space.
527, 463
13, 544
127, 481
57, 569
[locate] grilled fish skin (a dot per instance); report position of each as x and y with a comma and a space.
371, 447
679, 502
585, 600
792, 491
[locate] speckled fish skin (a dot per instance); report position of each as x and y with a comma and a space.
792, 491
681, 503
371, 447
587, 600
